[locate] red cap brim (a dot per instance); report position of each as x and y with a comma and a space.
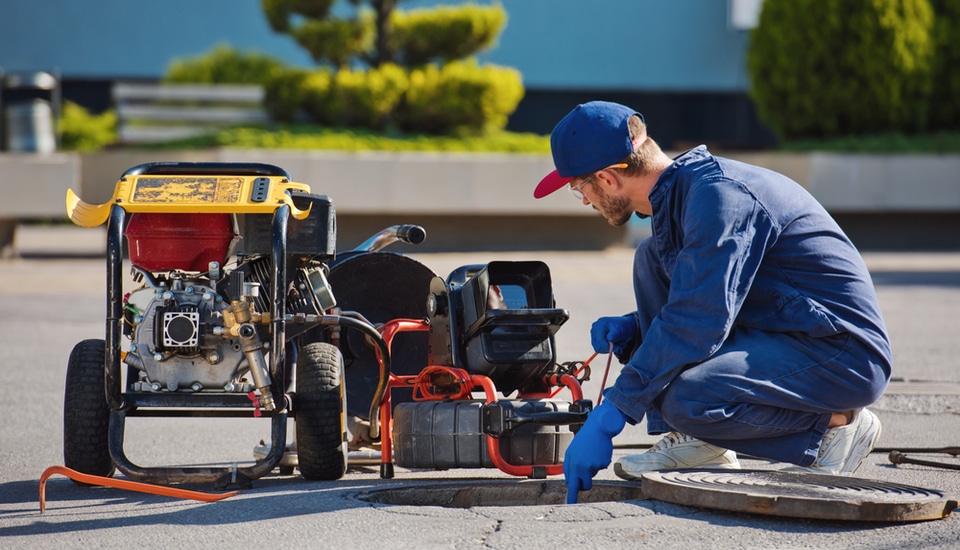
549, 184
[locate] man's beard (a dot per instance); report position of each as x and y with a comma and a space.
616, 210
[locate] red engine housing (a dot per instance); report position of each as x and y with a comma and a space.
188, 242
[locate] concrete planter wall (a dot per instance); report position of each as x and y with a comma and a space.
484, 201
33, 186
871, 183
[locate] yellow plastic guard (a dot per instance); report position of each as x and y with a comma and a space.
190, 194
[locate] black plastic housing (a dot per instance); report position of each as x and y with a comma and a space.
510, 342
316, 235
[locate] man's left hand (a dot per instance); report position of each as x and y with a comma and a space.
591, 449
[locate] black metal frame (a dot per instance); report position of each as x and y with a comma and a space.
128, 403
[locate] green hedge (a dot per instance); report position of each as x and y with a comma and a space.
278, 12
82, 131
842, 67
223, 65
285, 93
334, 40
318, 97
945, 100
444, 33
461, 96
355, 98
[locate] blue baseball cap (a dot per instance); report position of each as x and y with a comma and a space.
591, 137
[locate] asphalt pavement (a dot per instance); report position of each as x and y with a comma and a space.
52, 296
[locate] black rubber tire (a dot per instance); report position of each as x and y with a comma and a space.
320, 413
86, 414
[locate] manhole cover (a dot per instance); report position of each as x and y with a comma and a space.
516, 493
799, 495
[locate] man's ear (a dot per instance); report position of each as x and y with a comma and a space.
608, 179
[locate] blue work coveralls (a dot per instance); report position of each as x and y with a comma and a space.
756, 315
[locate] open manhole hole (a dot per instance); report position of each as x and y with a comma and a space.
767, 492
515, 493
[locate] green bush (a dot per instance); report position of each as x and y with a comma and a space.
367, 99
842, 67
311, 137
82, 131
284, 94
278, 12
223, 65
444, 33
333, 40
945, 100
318, 99
459, 97
354, 98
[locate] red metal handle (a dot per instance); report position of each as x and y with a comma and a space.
125, 484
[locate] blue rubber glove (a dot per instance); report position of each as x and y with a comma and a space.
591, 449
619, 330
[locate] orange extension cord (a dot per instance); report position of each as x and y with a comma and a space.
124, 484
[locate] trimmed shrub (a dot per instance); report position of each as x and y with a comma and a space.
459, 97
444, 33
318, 97
223, 65
843, 67
366, 99
284, 94
945, 99
82, 131
335, 41
354, 98
278, 12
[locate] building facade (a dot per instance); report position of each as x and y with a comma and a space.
681, 63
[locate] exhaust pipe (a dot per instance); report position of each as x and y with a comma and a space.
406, 233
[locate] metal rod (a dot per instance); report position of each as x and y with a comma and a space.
113, 330
897, 457
278, 296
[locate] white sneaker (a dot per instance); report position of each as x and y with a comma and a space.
673, 452
844, 448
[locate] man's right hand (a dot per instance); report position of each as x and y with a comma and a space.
620, 331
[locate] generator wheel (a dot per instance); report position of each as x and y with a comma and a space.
320, 412
86, 414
